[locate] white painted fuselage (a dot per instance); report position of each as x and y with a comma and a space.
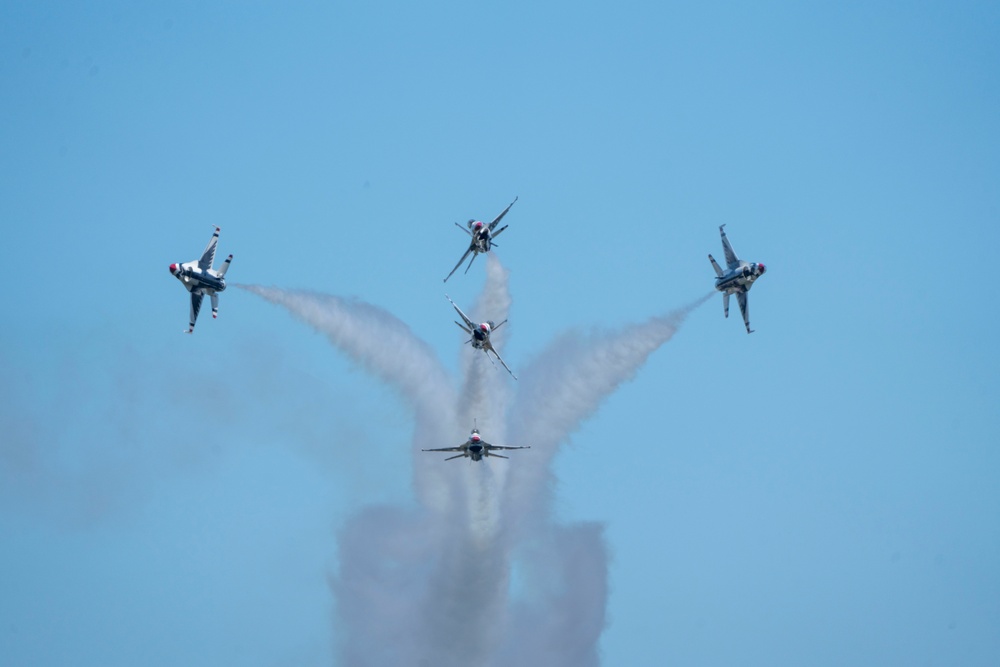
200, 279
474, 448
737, 278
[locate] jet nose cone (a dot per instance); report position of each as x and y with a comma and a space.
173, 268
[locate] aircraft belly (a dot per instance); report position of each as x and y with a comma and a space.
733, 285
729, 286
209, 283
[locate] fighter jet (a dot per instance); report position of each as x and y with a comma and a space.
481, 335
737, 279
482, 237
200, 279
475, 448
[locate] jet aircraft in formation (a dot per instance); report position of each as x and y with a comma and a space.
737, 279
480, 335
475, 448
200, 279
482, 237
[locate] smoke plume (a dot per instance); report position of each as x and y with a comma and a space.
477, 572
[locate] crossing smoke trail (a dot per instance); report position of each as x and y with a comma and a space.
432, 585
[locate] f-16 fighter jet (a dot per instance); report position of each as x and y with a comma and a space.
481, 335
475, 448
200, 279
482, 237
737, 279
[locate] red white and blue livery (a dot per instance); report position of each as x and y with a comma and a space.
474, 448
737, 279
482, 237
200, 279
480, 335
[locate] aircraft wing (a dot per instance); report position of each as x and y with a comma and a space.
196, 297
465, 318
500, 447
496, 221
741, 298
500, 359
445, 449
732, 261
460, 264
208, 257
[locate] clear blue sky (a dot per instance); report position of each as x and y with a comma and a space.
822, 492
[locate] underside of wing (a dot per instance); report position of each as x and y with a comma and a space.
502, 447
445, 449
208, 257
196, 297
496, 221
502, 362
459, 264
741, 298
732, 261
465, 318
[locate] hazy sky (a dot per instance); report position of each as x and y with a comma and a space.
822, 492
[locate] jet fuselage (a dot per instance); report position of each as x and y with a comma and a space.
482, 237
481, 335
194, 278
740, 278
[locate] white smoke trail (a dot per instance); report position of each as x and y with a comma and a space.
384, 345
373, 337
566, 384
485, 395
560, 618
432, 586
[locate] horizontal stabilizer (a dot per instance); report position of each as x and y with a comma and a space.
718, 269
